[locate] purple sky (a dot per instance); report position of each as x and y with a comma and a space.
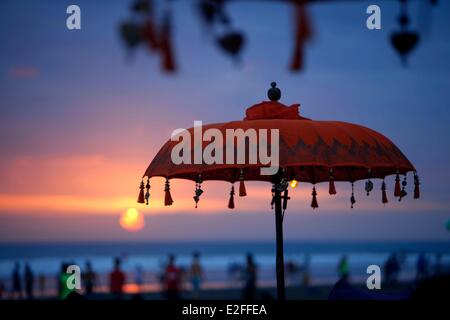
79, 121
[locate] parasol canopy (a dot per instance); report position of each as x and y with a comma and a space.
309, 151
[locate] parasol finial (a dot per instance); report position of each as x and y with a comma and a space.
274, 93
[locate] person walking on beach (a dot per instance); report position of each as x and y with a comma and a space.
116, 280
250, 276
41, 284
29, 281
196, 275
172, 280
422, 267
139, 277
16, 291
89, 279
343, 268
392, 269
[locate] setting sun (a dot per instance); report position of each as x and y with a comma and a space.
132, 220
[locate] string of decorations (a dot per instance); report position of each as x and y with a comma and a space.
399, 190
154, 30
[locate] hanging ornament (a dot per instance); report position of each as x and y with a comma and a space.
149, 31
302, 35
384, 198
168, 197
314, 203
368, 186
404, 41
416, 186
232, 43
242, 190
352, 198
403, 192
397, 189
331, 187
131, 34
147, 192
141, 197
231, 201
165, 44
273, 196
198, 190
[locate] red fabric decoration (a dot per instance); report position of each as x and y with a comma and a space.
168, 197
416, 191
242, 191
141, 198
397, 189
231, 201
149, 33
302, 34
165, 45
314, 203
331, 187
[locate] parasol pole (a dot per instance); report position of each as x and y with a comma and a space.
274, 94
279, 240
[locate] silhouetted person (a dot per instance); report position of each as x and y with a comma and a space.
29, 281
343, 269
172, 280
116, 280
250, 275
422, 267
41, 283
2, 289
196, 275
438, 265
63, 289
89, 279
139, 277
16, 282
391, 269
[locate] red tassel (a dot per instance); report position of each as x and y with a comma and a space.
165, 45
231, 201
302, 34
168, 197
149, 33
331, 188
314, 203
242, 191
397, 189
141, 198
416, 187
384, 198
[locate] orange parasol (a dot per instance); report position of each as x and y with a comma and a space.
309, 151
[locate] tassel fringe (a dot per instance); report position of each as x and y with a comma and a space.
168, 197
314, 203
231, 201
141, 198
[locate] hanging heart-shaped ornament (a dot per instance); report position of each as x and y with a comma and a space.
404, 42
